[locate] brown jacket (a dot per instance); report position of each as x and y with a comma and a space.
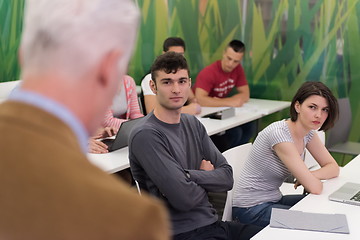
49, 190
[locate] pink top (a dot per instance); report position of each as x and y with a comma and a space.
219, 83
133, 109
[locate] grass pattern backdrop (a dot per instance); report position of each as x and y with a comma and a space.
288, 42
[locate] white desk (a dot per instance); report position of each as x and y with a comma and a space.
111, 162
321, 204
252, 110
263, 106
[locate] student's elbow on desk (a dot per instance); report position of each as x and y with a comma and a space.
336, 171
315, 188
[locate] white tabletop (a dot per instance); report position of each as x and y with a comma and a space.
214, 126
321, 204
263, 106
252, 110
111, 162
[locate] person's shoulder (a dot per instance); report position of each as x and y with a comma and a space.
310, 135
191, 121
215, 65
188, 117
128, 79
278, 126
145, 126
238, 71
208, 72
211, 66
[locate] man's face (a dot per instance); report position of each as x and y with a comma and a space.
230, 59
172, 89
177, 49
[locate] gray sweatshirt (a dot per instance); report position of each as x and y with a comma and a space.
165, 160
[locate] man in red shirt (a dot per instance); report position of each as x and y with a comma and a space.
212, 88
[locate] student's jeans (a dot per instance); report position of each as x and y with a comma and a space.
260, 214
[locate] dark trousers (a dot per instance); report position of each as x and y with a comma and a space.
235, 136
220, 231
126, 176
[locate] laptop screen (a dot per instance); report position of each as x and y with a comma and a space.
122, 136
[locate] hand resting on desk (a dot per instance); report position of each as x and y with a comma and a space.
96, 146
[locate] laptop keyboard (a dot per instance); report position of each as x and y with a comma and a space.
356, 197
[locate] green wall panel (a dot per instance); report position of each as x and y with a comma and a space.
288, 42
11, 17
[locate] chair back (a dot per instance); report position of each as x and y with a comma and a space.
141, 100
6, 88
341, 130
236, 158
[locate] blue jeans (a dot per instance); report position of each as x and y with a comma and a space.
260, 214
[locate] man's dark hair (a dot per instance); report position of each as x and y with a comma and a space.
308, 89
173, 42
169, 62
237, 46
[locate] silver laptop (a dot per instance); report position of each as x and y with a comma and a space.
348, 193
122, 136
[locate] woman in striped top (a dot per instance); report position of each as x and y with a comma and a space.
278, 152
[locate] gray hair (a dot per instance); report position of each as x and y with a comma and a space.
72, 35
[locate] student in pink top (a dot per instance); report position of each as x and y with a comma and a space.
125, 106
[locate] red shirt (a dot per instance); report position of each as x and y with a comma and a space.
219, 83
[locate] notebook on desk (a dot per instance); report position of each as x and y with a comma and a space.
322, 222
348, 193
122, 136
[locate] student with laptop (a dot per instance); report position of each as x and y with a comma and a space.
278, 151
96, 145
347, 193
125, 104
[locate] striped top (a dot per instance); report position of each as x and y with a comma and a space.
133, 109
264, 172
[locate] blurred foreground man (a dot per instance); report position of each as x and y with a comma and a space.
73, 53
